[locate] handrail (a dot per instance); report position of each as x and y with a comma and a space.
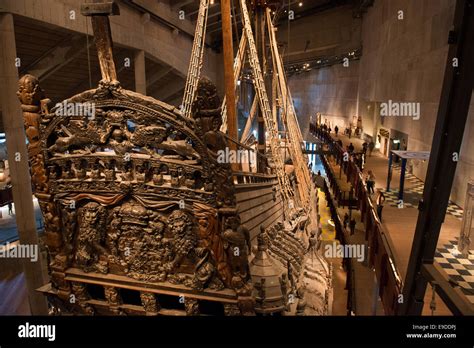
246, 147
359, 175
257, 175
354, 176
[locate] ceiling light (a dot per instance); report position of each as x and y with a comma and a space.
211, 2
300, 4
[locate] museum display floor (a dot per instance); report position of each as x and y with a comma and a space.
401, 223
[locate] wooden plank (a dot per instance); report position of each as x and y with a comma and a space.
74, 274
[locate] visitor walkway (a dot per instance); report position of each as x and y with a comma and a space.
400, 223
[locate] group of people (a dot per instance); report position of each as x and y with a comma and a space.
359, 159
368, 147
380, 198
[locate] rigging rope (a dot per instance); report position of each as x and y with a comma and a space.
294, 136
272, 129
195, 64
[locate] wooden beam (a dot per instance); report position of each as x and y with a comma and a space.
180, 4
158, 76
172, 93
175, 97
57, 57
169, 90
229, 69
99, 13
454, 299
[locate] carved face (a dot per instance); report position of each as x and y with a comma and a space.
216, 124
27, 91
117, 135
178, 222
178, 226
90, 213
90, 216
233, 223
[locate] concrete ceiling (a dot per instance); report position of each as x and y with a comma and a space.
63, 61
214, 25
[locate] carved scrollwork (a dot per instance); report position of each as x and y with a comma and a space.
133, 188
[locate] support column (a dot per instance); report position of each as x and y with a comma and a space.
402, 178
140, 75
18, 162
389, 175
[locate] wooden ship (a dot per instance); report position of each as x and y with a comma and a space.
141, 218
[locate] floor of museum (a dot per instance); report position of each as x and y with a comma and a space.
401, 227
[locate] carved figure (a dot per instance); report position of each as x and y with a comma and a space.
183, 239
90, 238
237, 243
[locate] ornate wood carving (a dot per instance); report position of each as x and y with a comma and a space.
130, 187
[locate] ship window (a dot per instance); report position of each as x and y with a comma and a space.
170, 302
211, 308
96, 292
131, 297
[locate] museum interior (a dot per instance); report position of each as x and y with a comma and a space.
236, 157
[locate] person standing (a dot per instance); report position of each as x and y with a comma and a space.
350, 132
10, 210
370, 182
380, 201
364, 147
352, 226
371, 148
346, 220
336, 130
350, 148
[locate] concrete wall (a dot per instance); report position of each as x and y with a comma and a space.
404, 61
331, 90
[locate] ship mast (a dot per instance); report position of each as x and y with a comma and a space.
228, 50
